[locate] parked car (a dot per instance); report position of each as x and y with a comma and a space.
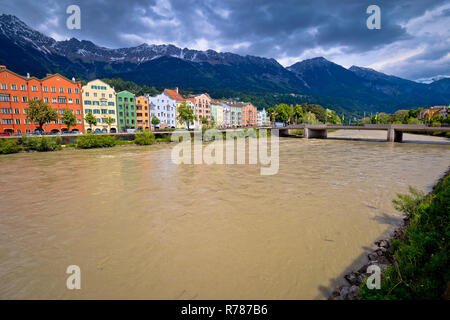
4, 134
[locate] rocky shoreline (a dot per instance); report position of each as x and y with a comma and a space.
381, 256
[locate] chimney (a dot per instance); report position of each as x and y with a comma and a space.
28, 76
73, 79
176, 89
2, 67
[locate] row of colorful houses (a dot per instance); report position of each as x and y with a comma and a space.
101, 100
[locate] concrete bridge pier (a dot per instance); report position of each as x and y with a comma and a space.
315, 133
394, 135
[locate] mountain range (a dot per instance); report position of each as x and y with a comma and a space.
25, 50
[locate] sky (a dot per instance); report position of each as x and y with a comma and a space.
413, 42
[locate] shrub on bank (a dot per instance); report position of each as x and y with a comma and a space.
423, 254
9, 146
41, 144
95, 141
144, 138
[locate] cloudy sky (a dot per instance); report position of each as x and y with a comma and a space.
413, 42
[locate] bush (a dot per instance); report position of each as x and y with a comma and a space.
42, 144
91, 140
413, 121
9, 146
435, 124
145, 138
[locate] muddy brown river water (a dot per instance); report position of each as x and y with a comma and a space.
141, 227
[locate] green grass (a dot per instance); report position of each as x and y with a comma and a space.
423, 254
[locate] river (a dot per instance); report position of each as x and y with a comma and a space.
141, 227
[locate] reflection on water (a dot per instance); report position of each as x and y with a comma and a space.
141, 227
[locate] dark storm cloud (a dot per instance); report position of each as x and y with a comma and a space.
282, 30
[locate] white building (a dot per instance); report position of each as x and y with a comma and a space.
262, 117
164, 108
226, 115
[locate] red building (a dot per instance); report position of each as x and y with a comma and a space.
57, 91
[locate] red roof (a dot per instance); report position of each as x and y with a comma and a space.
173, 94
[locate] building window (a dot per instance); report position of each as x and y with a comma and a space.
4, 86
69, 90
61, 90
13, 87
34, 88
17, 121
45, 88
46, 100
76, 91
16, 111
23, 87
24, 99
53, 89
15, 99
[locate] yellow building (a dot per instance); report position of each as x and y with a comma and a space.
100, 100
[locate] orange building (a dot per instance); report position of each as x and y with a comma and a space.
203, 106
249, 115
142, 113
57, 91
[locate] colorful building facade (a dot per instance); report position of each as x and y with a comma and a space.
249, 115
142, 113
164, 108
202, 106
99, 98
126, 110
217, 114
57, 91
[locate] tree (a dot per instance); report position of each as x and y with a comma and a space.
401, 116
318, 111
282, 113
110, 121
69, 119
310, 118
40, 112
155, 121
204, 121
91, 120
297, 114
271, 114
185, 114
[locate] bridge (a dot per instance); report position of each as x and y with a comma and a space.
394, 131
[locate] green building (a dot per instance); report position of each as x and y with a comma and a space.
126, 111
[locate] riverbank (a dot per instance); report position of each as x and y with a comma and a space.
88, 141
415, 260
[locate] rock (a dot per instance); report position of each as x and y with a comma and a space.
384, 244
353, 292
354, 278
344, 293
363, 269
373, 256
